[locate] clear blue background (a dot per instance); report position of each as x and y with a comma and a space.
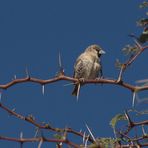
31, 35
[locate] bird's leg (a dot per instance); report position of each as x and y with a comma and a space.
98, 78
100, 75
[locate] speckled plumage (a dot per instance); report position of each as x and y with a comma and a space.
88, 65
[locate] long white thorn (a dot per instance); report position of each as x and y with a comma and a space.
60, 62
43, 89
84, 137
134, 97
138, 44
36, 132
40, 143
142, 81
85, 145
21, 135
90, 132
14, 77
27, 73
143, 130
69, 84
78, 92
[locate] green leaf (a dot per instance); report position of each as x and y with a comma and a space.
144, 4
57, 136
117, 118
129, 49
118, 64
143, 37
104, 143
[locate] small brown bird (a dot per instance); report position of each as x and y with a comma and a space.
88, 65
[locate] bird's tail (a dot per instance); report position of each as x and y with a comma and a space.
76, 90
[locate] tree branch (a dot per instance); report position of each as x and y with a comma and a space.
38, 139
67, 78
45, 126
131, 60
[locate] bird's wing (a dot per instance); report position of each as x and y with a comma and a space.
79, 68
82, 66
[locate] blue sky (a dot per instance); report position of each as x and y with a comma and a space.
31, 35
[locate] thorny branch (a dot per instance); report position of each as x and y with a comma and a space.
132, 124
131, 60
125, 134
65, 140
47, 126
62, 76
38, 139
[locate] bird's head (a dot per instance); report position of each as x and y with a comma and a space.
95, 49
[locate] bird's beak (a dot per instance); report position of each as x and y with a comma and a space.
102, 52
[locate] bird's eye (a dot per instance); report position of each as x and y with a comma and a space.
97, 50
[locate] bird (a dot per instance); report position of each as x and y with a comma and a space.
87, 66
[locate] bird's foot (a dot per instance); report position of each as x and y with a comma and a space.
81, 80
98, 78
